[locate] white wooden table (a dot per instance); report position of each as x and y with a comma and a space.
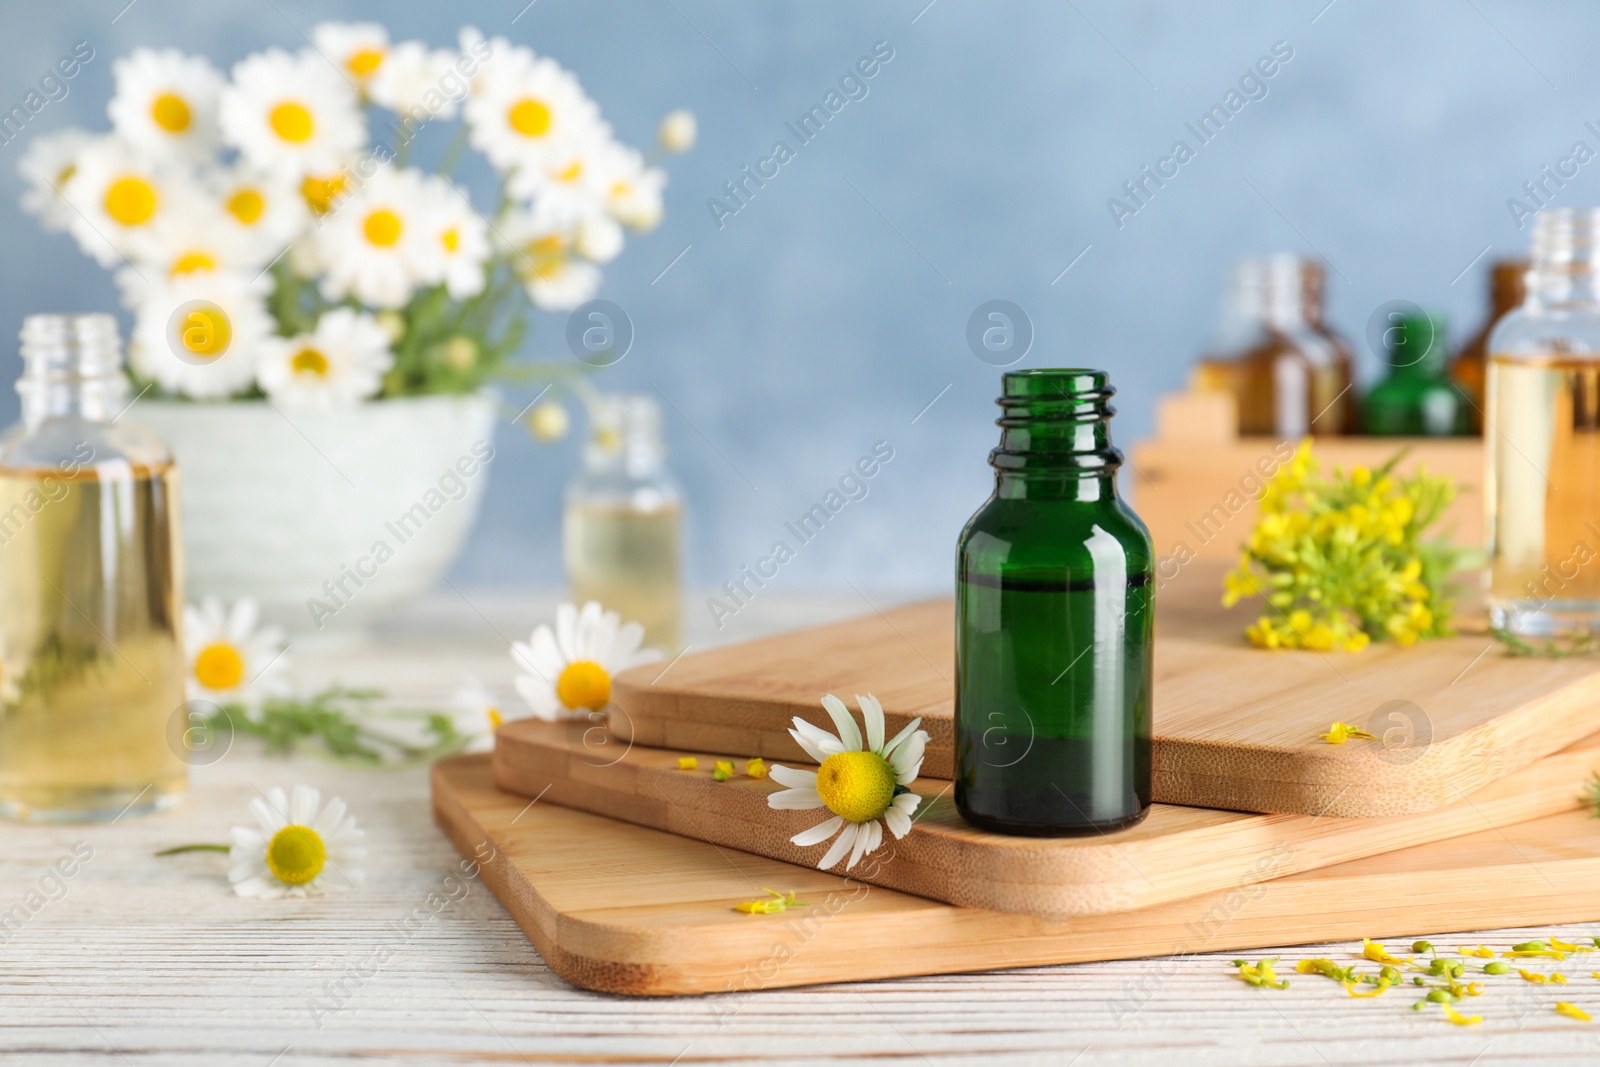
155, 961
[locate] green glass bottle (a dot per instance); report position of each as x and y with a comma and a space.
1054, 617
1417, 398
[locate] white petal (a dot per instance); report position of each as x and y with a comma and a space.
329, 819
603, 637
845, 842
910, 728
540, 697
272, 812
567, 632
303, 805
795, 800
848, 734
899, 822
872, 715
818, 743
242, 619
867, 838
818, 833
907, 804
793, 777
907, 759
583, 632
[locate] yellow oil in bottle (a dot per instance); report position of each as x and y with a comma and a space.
91, 672
627, 559
1542, 435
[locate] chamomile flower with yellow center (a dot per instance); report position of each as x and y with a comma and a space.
117, 198
477, 713
862, 781
47, 165
337, 365
418, 83
527, 110
360, 49
263, 211
191, 241
166, 102
291, 114
544, 255
630, 190
230, 657
377, 246
571, 667
298, 847
321, 192
212, 352
460, 239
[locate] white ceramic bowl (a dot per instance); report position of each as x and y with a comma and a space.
327, 519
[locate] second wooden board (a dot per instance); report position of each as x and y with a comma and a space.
625, 909
1175, 853
1235, 727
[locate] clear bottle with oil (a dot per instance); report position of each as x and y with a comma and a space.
1542, 436
622, 527
91, 596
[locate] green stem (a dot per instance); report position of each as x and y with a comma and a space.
194, 848
453, 150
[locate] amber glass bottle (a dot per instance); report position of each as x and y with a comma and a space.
1288, 371
1507, 288
1053, 623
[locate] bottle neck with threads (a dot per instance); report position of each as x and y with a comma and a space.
71, 369
1565, 268
1055, 436
1280, 291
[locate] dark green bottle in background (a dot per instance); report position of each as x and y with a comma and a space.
1416, 398
1054, 620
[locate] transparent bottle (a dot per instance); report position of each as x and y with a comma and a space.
1507, 289
1288, 371
622, 527
91, 590
1054, 623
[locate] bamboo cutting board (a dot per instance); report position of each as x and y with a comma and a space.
1235, 726
625, 909
1176, 852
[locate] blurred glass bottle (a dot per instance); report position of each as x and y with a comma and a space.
91, 590
1542, 451
1415, 399
1507, 288
1289, 372
622, 529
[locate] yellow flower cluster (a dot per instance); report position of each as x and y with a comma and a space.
1341, 561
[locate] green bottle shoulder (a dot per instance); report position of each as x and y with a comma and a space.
1010, 535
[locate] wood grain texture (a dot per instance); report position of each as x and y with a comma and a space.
626, 909
1176, 852
1235, 727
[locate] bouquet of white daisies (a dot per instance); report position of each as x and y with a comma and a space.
271, 239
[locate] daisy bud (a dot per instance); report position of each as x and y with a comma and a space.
393, 323
548, 421
461, 353
678, 131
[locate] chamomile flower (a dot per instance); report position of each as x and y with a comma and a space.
299, 847
291, 115
544, 254
571, 667
631, 191
377, 246
360, 49
230, 657
218, 348
339, 364
47, 165
478, 713
194, 240
117, 197
263, 211
862, 782
526, 110
166, 102
460, 239
419, 83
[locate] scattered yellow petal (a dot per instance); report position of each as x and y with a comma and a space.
1481, 952
1541, 953
1572, 1011
1350, 987
687, 763
1564, 946
778, 902
1459, 1019
756, 768
1375, 952
725, 765
1530, 976
1340, 732
1558, 979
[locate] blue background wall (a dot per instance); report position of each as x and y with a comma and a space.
830, 311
